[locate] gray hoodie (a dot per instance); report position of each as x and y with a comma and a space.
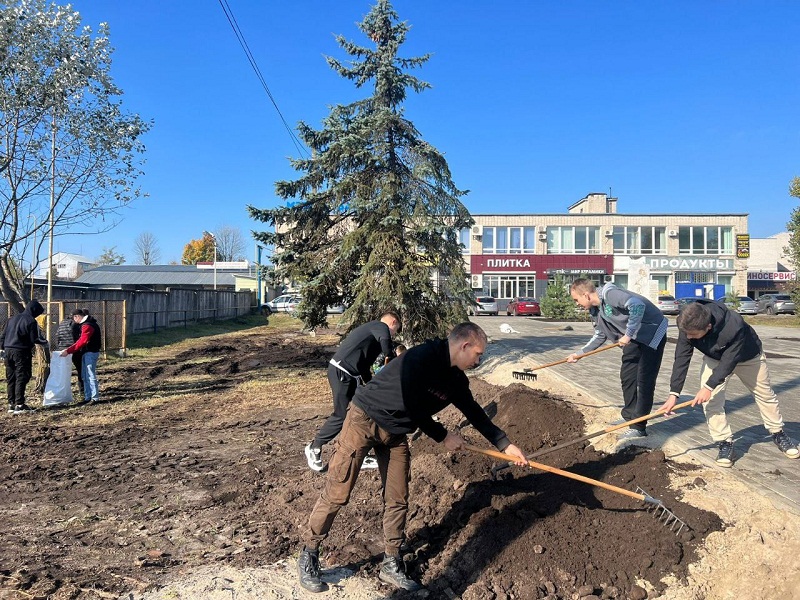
622, 312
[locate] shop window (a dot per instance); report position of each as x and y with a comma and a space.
573, 240
640, 240
705, 240
509, 240
464, 239
505, 287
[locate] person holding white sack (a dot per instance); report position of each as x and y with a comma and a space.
89, 343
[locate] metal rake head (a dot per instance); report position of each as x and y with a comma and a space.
665, 516
525, 374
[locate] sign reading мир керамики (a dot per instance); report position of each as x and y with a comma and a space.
771, 275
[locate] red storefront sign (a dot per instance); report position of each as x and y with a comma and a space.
541, 263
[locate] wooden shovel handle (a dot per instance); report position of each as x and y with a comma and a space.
549, 469
563, 360
608, 429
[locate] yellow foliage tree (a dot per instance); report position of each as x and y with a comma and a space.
201, 250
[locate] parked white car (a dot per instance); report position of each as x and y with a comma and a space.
283, 303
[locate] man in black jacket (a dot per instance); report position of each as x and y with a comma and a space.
730, 346
404, 396
349, 368
17, 341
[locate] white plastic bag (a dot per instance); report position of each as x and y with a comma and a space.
58, 389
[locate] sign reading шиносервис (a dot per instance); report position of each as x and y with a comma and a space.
771, 275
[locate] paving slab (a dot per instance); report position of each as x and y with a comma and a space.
758, 462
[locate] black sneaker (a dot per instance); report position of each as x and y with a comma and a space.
21, 409
786, 444
308, 572
393, 572
725, 455
11, 409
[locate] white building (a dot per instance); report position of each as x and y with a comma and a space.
68, 266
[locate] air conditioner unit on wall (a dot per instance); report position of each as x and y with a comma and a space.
608, 278
673, 233
477, 281
543, 236
477, 230
609, 232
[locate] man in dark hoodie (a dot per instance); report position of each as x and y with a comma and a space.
730, 347
349, 368
404, 396
89, 345
22, 332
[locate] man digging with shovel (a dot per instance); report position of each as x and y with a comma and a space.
402, 397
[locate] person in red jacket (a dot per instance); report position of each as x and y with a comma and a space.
89, 344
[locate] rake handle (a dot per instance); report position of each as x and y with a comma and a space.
609, 429
563, 360
555, 471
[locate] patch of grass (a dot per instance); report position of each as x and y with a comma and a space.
174, 335
773, 320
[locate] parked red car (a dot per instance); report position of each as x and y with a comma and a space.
523, 306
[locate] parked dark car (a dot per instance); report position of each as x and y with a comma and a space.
775, 304
484, 305
668, 305
687, 300
523, 306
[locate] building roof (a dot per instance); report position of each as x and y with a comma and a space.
157, 275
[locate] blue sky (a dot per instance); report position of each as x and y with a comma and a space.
673, 106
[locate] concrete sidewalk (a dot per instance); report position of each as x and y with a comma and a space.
758, 462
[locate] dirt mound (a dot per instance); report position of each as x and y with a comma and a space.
169, 477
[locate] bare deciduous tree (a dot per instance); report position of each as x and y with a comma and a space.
146, 248
230, 243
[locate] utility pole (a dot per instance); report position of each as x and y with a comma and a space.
213, 237
52, 220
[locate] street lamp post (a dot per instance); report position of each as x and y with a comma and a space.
259, 294
213, 237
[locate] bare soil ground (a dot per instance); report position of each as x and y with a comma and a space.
189, 481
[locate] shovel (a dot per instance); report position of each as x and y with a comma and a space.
528, 374
665, 517
589, 436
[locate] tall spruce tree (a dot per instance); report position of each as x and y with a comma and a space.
374, 217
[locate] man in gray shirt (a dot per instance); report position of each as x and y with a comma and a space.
636, 324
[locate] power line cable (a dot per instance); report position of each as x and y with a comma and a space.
251, 59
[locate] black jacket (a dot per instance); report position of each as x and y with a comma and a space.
730, 341
22, 331
407, 392
360, 349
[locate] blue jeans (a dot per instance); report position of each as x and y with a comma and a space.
91, 390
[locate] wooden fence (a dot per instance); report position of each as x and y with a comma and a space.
121, 313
